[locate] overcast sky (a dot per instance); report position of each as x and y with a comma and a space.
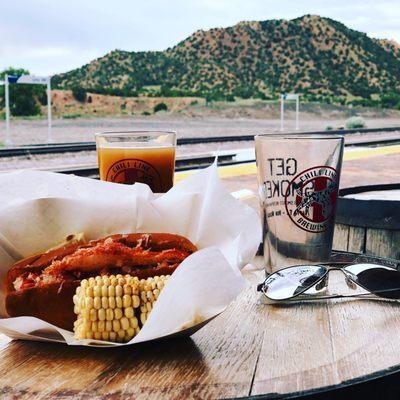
51, 36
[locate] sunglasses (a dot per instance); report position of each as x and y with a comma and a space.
310, 280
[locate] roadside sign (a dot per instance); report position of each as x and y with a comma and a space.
29, 79
290, 96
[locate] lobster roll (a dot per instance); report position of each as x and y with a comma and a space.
43, 285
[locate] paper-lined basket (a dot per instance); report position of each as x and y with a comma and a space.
39, 209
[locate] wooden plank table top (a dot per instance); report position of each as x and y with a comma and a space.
253, 348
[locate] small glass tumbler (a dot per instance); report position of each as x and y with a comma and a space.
137, 156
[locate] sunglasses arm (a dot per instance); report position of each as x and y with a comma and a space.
305, 297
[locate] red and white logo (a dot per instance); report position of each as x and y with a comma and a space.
310, 198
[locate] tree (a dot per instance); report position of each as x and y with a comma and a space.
23, 97
79, 93
160, 107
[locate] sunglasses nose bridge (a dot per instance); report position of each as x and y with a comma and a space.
349, 282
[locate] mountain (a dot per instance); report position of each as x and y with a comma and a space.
315, 56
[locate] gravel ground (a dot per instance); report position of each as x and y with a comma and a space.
27, 132
77, 130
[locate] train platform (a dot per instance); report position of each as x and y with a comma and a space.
361, 166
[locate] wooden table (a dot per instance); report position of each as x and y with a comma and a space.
252, 348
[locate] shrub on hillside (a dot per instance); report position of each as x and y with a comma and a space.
160, 107
79, 94
355, 123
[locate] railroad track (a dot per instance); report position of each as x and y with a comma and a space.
228, 157
91, 146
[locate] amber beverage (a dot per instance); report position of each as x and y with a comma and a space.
145, 157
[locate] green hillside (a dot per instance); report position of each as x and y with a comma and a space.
317, 57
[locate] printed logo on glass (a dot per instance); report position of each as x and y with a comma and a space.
312, 204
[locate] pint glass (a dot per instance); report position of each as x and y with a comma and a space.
130, 157
298, 178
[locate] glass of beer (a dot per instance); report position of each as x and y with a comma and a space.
137, 156
298, 179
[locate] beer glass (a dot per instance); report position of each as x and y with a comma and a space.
298, 178
137, 156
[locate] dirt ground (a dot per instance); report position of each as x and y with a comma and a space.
25, 131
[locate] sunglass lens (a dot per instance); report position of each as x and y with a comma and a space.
289, 282
378, 279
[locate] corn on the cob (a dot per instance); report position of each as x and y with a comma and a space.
114, 308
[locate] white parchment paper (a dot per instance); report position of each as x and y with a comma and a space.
39, 209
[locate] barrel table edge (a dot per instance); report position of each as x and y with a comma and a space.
325, 389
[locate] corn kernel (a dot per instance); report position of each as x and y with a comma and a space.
108, 326
126, 301
118, 301
88, 303
150, 295
111, 302
127, 289
128, 312
121, 281
97, 303
109, 314
118, 290
93, 314
111, 291
133, 322
104, 302
121, 333
118, 313
130, 332
135, 301
116, 325
124, 323
101, 314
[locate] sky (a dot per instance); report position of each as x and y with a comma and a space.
52, 36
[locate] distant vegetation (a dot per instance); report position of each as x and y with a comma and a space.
79, 94
160, 107
355, 123
319, 58
25, 99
